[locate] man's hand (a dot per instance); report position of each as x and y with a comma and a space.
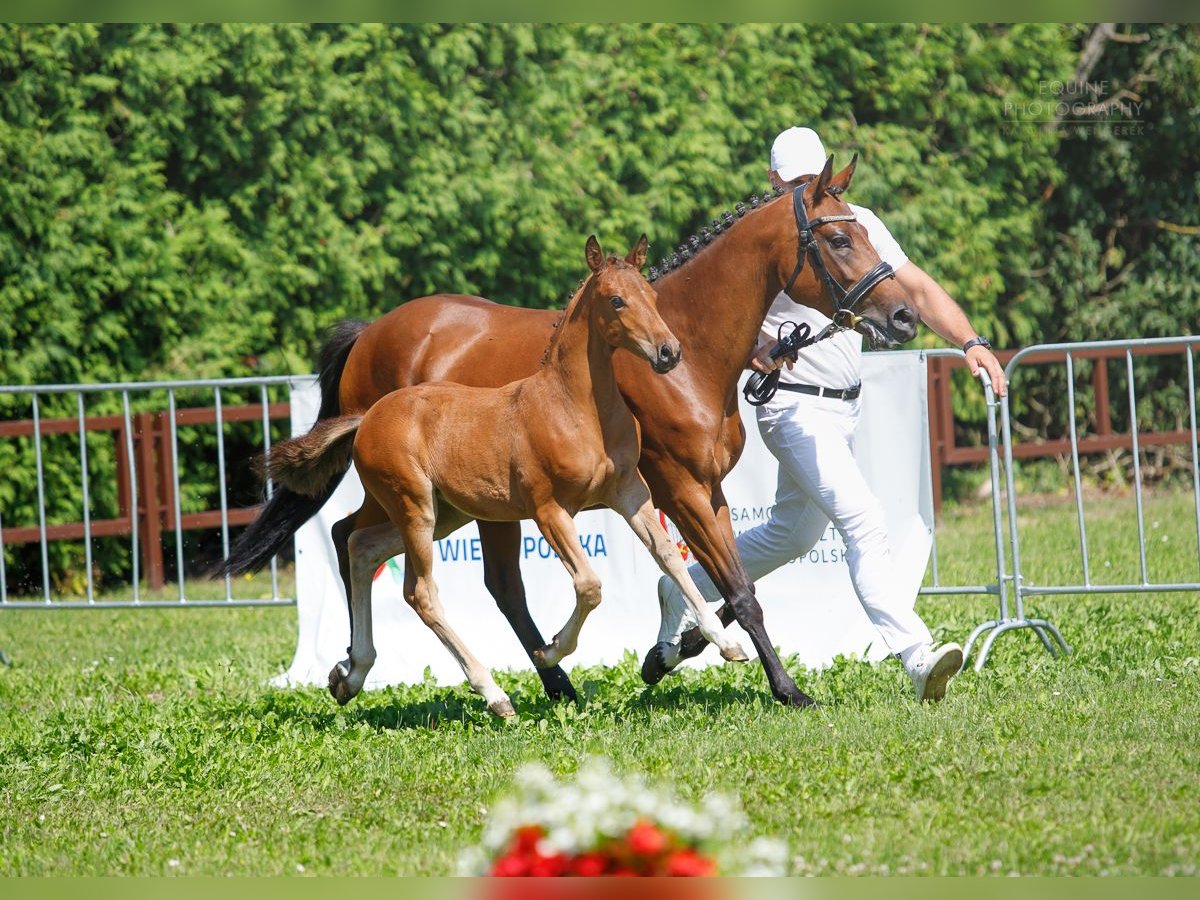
981, 357
760, 359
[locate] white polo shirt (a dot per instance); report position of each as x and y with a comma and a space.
834, 362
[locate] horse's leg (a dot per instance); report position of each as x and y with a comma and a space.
367, 549
559, 530
702, 516
370, 513
417, 528
501, 545
633, 502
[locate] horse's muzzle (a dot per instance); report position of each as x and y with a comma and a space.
668, 357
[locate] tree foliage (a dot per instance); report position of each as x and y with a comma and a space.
181, 201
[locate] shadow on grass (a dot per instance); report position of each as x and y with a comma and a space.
395, 709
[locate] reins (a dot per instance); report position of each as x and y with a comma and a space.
761, 387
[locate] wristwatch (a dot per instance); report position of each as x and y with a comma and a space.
977, 342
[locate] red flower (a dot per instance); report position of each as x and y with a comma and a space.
511, 865
589, 865
526, 838
689, 863
549, 866
645, 839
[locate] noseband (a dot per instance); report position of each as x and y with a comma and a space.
761, 387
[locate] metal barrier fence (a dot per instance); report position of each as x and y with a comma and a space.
145, 443
1014, 583
1010, 587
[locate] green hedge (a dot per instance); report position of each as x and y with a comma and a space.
193, 201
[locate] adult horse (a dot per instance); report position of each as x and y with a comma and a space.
713, 294
544, 447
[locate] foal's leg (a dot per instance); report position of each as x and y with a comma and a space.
370, 513
366, 549
559, 530
421, 593
633, 502
501, 545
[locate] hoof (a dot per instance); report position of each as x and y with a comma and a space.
546, 657
557, 685
798, 700
502, 708
734, 653
655, 666
339, 685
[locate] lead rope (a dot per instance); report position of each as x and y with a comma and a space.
760, 387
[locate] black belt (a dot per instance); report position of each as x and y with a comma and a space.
836, 393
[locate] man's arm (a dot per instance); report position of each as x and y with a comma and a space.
938, 310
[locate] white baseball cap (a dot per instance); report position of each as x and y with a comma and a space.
797, 151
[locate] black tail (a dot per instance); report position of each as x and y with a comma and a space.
286, 511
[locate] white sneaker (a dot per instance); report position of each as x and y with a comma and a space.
933, 669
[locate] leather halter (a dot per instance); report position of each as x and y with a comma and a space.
844, 300
760, 387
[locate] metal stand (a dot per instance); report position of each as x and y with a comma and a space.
997, 627
1006, 622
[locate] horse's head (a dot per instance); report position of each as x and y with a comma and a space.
885, 316
624, 307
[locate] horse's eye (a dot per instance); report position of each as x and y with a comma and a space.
839, 242
617, 303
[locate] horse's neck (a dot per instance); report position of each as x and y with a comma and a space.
716, 303
579, 362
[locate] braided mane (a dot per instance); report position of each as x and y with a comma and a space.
697, 242
689, 248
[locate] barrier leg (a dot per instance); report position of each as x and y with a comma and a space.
1041, 633
1049, 626
974, 637
1037, 626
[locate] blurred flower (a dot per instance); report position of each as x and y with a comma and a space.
601, 824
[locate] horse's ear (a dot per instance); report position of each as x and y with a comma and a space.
595, 256
637, 256
823, 180
841, 181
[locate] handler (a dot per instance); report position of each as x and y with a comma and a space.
809, 427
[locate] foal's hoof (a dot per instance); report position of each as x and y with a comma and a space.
503, 708
339, 685
656, 665
734, 653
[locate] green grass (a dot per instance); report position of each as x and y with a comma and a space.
147, 742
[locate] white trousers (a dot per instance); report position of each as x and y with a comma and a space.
819, 482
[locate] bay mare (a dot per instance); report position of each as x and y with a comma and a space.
714, 297
544, 447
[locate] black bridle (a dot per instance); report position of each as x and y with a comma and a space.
761, 387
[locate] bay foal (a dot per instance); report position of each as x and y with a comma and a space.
545, 447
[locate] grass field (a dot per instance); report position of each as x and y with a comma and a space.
146, 742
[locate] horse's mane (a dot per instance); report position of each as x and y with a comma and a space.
708, 234
568, 307
683, 253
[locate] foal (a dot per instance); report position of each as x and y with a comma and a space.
543, 448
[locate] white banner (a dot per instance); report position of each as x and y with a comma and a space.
810, 606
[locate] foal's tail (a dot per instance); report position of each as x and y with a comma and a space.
307, 464
282, 515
